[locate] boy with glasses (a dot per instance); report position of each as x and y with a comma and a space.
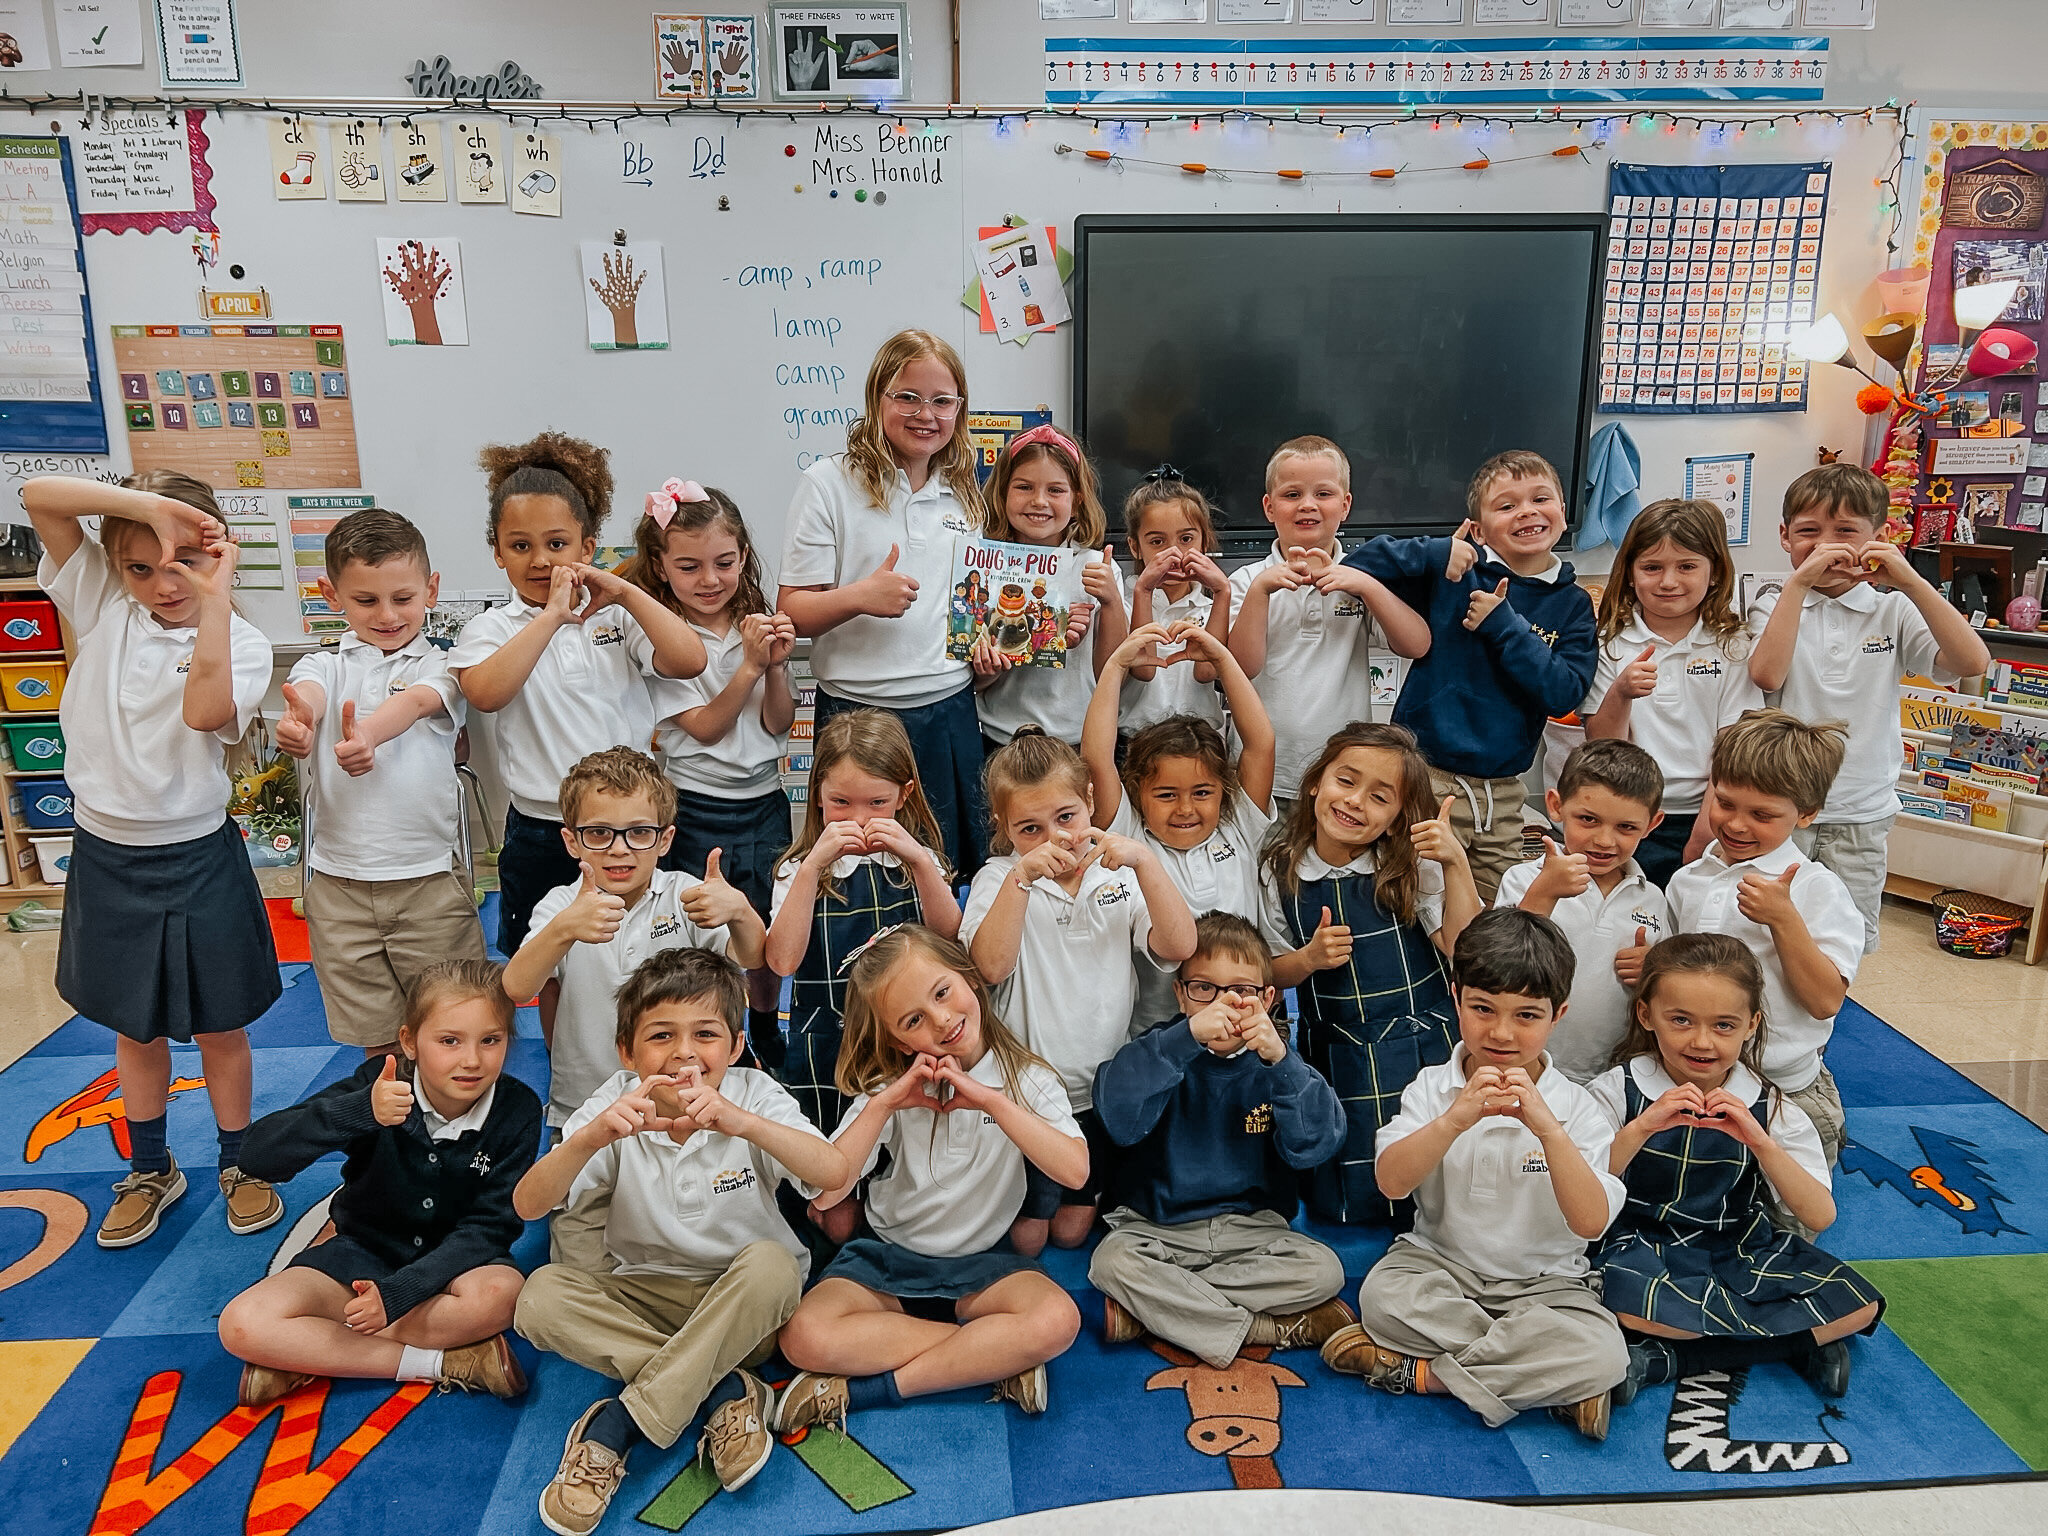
618, 814
1219, 1118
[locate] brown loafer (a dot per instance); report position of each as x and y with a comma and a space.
488, 1366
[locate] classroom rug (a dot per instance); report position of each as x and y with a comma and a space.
117, 1410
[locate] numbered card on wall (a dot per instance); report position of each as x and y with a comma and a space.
1426, 13
1509, 13
624, 299
537, 173
477, 162
1760, 15
1352, 12
1679, 13
358, 150
298, 160
1170, 12
1255, 10
422, 168
1841, 13
1595, 13
424, 304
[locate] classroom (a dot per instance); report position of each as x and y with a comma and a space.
1094, 763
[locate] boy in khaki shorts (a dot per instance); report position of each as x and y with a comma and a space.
375, 723
673, 1165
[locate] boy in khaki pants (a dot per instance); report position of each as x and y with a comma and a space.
681, 1153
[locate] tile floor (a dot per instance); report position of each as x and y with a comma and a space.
1988, 1018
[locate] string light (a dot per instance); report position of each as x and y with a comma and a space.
1197, 168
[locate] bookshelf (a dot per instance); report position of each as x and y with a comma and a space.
24, 876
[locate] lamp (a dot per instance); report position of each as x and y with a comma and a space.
1889, 336
1981, 303
1976, 307
2000, 351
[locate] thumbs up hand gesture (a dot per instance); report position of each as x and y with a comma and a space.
594, 916
889, 592
714, 901
1330, 946
1484, 602
355, 752
390, 1095
296, 730
364, 1311
1767, 899
1639, 678
1464, 551
1563, 874
1628, 963
1434, 839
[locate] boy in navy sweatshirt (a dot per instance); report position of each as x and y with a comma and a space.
1220, 1117
1511, 637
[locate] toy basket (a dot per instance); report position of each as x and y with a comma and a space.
1977, 927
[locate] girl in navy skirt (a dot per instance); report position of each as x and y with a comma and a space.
721, 735
1694, 1268
1364, 892
934, 1301
165, 936
868, 858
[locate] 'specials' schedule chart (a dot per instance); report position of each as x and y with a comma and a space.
1709, 269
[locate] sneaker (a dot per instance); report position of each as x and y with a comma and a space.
252, 1204
1118, 1325
737, 1437
1827, 1368
1355, 1352
1651, 1362
485, 1367
261, 1384
581, 1491
139, 1203
811, 1398
1588, 1416
1310, 1329
1027, 1389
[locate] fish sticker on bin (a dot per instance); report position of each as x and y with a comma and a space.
23, 629
32, 687
54, 805
42, 746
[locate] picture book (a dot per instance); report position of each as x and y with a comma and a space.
1016, 597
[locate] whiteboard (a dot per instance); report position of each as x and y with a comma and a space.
777, 302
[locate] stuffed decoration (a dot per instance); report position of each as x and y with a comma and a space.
1900, 471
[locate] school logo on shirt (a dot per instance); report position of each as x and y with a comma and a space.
481, 1163
954, 521
732, 1181
1221, 852
664, 925
1259, 1120
1548, 636
607, 634
1649, 920
184, 665
1348, 607
1112, 895
1703, 666
1877, 645
1534, 1163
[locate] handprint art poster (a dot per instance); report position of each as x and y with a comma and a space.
833, 52
422, 285
624, 299
704, 58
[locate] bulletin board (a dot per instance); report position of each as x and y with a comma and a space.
239, 406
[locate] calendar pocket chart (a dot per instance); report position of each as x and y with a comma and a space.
1709, 269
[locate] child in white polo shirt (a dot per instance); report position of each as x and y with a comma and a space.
617, 808
1834, 647
683, 1151
1606, 800
563, 668
375, 723
1769, 777
1489, 1297
1305, 624
1058, 920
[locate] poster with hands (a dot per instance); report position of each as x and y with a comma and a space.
625, 302
423, 299
833, 52
704, 58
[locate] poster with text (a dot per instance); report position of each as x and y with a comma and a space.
704, 58
479, 162
358, 150
298, 160
537, 174
1016, 597
99, 34
24, 40
198, 42
834, 52
422, 168
1020, 280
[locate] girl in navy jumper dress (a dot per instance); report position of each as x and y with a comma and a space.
1365, 891
1698, 1274
867, 859
417, 1281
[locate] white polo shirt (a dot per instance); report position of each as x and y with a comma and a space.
1221, 874
1054, 698
138, 773
1070, 996
587, 692
585, 1050
1597, 926
1702, 897
837, 537
1701, 686
955, 1181
1852, 652
1318, 672
687, 1208
744, 763
1789, 1125
1173, 690
1489, 1205
1273, 902
399, 820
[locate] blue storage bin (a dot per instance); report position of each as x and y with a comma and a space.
46, 804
